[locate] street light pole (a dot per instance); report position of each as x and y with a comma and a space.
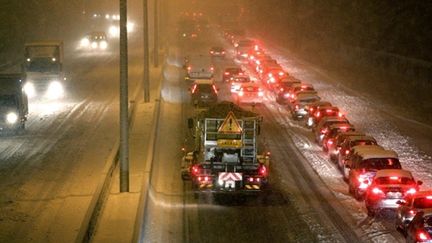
124, 136
156, 34
146, 71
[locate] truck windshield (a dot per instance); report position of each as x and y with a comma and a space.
43, 65
42, 51
7, 100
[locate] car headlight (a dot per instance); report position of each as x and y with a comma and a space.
130, 27
28, 59
114, 31
55, 90
85, 42
103, 45
12, 118
29, 89
94, 45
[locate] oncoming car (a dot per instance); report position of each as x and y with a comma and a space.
94, 41
388, 187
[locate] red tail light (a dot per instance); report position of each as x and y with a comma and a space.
377, 191
262, 170
423, 235
347, 152
260, 93
212, 69
194, 89
211, 52
227, 73
241, 93
189, 68
281, 73
329, 142
215, 89
195, 169
340, 114
318, 114
411, 191
296, 107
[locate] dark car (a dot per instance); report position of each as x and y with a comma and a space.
230, 72
420, 228
204, 92
217, 52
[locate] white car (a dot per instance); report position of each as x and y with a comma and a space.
250, 93
388, 187
237, 81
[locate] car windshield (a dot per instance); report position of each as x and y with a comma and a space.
241, 80
250, 88
7, 100
381, 163
363, 142
423, 202
394, 180
233, 70
206, 88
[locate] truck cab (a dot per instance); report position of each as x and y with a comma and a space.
44, 69
13, 103
226, 158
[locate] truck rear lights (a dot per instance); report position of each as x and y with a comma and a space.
204, 178
254, 179
262, 170
195, 169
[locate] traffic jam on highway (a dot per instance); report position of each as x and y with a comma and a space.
227, 133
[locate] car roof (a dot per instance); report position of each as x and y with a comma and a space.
250, 84
204, 81
340, 125
305, 95
393, 172
361, 137
233, 68
332, 118
374, 152
328, 107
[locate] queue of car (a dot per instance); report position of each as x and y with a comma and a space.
373, 173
